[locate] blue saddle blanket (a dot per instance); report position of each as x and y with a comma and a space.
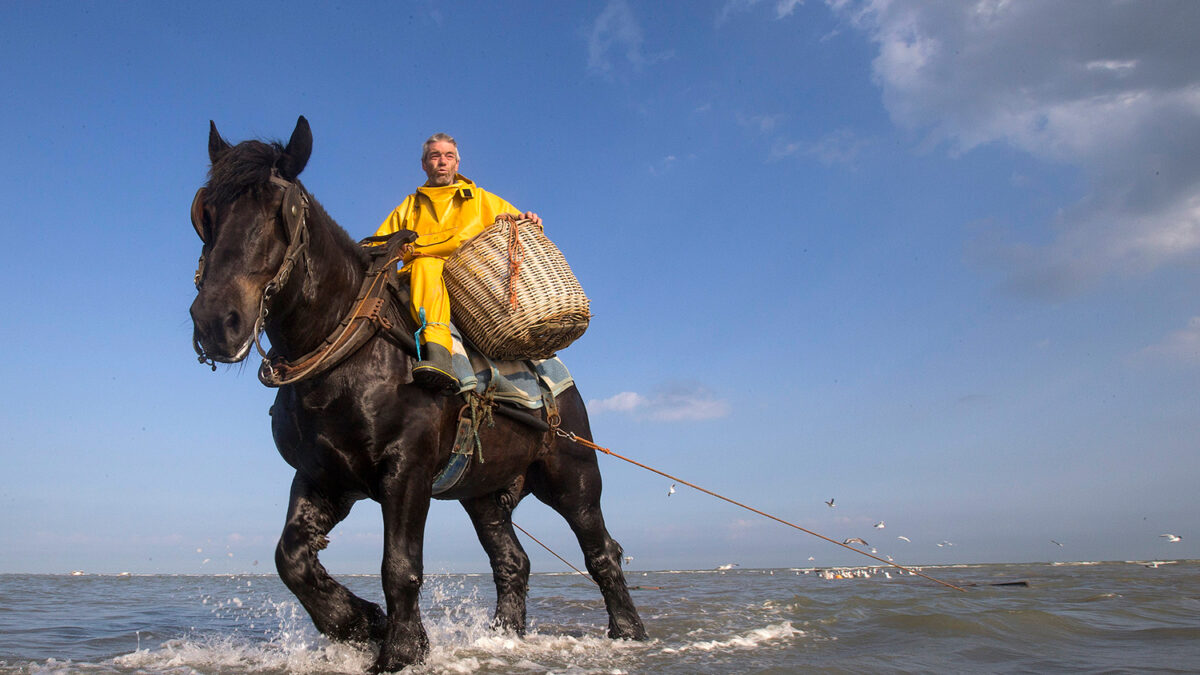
519, 383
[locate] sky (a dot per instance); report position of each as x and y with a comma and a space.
935, 261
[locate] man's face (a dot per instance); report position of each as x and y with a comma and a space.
440, 163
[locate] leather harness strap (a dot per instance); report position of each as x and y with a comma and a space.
360, 323
365, 317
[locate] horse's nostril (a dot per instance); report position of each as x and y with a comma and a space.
233, 323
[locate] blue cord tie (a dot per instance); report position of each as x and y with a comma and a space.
417, 335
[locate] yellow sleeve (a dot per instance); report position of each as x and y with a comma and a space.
397, 220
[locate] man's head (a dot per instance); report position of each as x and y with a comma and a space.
439, 159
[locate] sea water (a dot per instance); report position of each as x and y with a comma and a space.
1070, 617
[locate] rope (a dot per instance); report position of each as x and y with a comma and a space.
553, 553
516, 253
420, 329
586, 443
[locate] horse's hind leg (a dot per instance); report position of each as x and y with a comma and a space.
569, 482
510, 564
335, 611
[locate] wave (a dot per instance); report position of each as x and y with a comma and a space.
749, 640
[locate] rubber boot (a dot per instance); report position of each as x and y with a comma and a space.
434, 371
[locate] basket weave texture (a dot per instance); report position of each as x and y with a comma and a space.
507, 262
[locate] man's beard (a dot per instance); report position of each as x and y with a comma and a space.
441, 181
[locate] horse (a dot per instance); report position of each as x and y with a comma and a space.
274, 262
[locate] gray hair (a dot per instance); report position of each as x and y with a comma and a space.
438, 137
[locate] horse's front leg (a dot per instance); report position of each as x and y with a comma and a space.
335, 611
404, 494
510, 564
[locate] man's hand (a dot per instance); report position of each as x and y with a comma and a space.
530, 215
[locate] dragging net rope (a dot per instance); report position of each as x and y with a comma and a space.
586, 443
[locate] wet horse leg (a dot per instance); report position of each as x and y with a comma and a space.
571, 486
510, 564
404, 495
335, 611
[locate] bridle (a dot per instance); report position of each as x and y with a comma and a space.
356, 327
294, 210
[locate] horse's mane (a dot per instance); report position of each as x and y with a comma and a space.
246, 168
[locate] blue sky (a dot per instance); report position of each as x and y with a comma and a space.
937, 261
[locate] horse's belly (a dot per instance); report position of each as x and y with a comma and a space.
504, 460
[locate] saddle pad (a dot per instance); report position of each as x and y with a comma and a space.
516, 382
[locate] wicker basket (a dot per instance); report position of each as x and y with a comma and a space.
513, 295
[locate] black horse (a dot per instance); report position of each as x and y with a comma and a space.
360, 429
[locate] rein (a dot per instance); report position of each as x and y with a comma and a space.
356, 327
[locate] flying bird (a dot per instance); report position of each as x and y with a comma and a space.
671, 491
879, 525
1055, 543
829, 503
856, 540
1172, 538
904, 538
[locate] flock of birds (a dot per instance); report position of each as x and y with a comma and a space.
831, 503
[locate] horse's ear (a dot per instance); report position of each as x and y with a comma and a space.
216, 145
298, 150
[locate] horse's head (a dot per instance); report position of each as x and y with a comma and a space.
250, 244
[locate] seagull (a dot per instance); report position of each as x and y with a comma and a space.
671, 491
945, 543
905, 538
811, 558
1055, 543
1172, 538
879, 525
829, 503
628, 559
856, 540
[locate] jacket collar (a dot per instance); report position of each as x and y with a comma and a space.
461, 187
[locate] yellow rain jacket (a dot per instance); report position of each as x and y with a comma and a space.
444, 218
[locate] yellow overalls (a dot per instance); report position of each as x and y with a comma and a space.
444, 218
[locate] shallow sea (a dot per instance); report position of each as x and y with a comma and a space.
1072, 617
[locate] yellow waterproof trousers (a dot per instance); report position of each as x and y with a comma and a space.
429, 293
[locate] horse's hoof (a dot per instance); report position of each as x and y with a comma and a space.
636, 631
511, 626
397, 662
397, 653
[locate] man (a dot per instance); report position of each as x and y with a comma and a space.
445, 212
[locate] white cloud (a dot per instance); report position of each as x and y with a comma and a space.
626, 401
1088, 85
1181, 346
763, 124
663, 165
681, 403
838, 147
687, 405
783, 8
617, 35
